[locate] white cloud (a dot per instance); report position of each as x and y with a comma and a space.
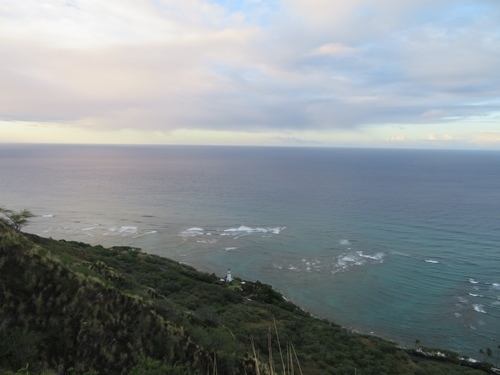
486, 137
309, 64
445, 137
331, 49
397, 138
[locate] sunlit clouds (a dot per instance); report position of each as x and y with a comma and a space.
317, 73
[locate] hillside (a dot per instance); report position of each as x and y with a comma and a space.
68, 307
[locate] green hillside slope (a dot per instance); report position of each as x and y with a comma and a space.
68, 307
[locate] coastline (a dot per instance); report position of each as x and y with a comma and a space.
427, 353
196, 305
403, 343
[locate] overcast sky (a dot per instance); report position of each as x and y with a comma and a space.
368, 73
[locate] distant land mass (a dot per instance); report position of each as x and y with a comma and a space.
70, 308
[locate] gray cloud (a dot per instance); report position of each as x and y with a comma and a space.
311, 65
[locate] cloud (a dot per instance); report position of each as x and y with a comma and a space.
397, 138
248, 66
486, 137
433, 114
91, 23
445, 137
331, 49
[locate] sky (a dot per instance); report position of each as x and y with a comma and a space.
358, 73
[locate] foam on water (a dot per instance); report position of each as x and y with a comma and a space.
472, 281
431, 261
191, 232
245, 229
378, 256
475, 295
124, 229
346, 261
95, 232
235, 232
332, 265
462, 299
479, 308
210, 242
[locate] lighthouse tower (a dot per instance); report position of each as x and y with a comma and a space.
229, 278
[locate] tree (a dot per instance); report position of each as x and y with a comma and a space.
16, 220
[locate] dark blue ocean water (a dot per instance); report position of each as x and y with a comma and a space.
401, 243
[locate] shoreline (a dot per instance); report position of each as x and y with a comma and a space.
402, 343
164, 286
429, 353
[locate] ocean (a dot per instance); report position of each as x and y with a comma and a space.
402, 244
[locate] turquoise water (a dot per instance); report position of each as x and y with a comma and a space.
401, 243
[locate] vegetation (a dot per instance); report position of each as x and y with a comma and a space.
14, 219
68, 307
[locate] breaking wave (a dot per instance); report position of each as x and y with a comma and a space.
236, 231
244, 229
346, 261
191, 232
123, 229
475, 295
340, 263
479, 308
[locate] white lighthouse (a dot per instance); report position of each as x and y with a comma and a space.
229, 278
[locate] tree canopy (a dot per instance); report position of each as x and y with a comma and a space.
14, 219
